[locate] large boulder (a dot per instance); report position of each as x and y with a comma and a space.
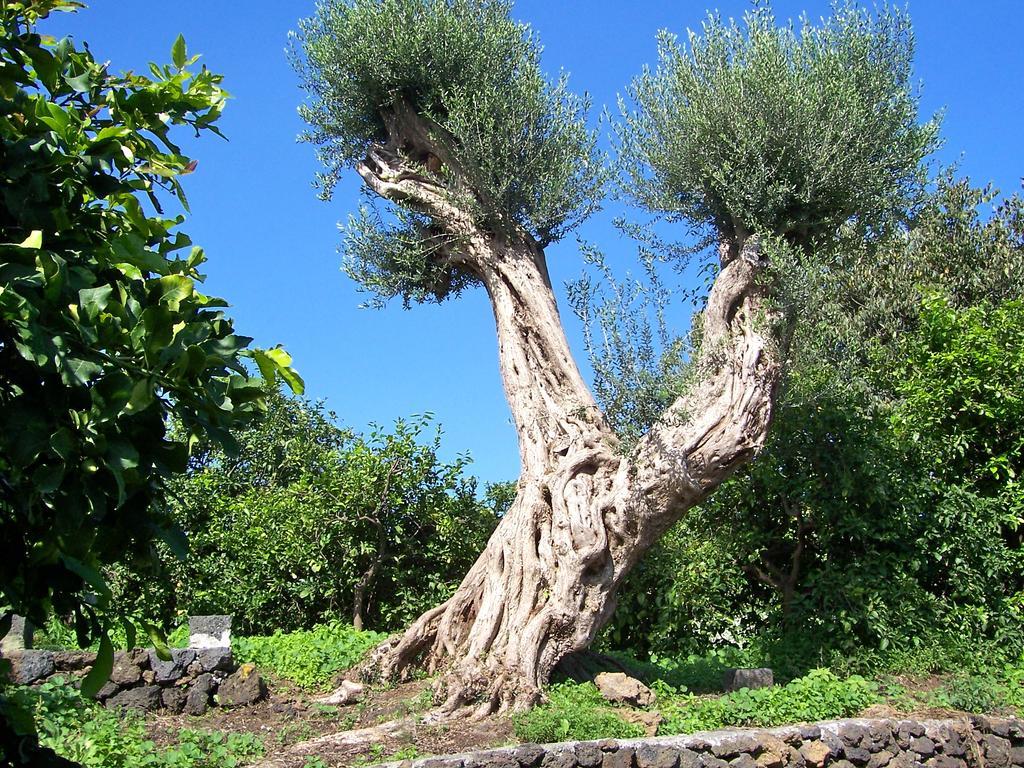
242, 688
173, 700
620, 688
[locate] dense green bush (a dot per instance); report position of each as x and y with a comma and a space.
307, 520
900, 421
309, 658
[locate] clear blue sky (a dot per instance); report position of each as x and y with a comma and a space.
273, 246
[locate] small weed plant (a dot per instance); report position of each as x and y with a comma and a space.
308, 658
574, 712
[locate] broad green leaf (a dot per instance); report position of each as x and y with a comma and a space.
95, 300
90, 576
174, 289
159, 640
34, 240
179, 54
101, 669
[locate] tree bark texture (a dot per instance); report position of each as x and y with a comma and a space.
585, 511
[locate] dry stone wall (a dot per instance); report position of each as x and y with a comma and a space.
191, 681
973, 742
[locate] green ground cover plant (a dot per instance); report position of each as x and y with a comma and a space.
308, 658
574, 711
83, 731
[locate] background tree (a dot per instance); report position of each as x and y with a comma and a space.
481, 162
875, 520
308, 523
104, 333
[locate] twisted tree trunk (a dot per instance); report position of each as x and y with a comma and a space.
585, 513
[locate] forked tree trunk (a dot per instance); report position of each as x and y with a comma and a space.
585, 513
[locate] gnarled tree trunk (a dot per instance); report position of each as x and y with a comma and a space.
585, 513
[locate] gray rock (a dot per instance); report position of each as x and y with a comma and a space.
688, 758
562, 758
953, 743
529, 755
19, 636
945, 761
923, 746
857, 755
743, 761
197, 700
735, 679
144, 699
710, 761
30, 666
997, 751
880, 759
620, 688
852, 734
127, 668
209, 632
109, 689
620, 758
215, 659
169, 671
735, 744
999, 727
242, 688
810, 732
1016, 756
880, 736
907, 731
441, 762
796, 760
502, 760
173, 699
73, 661
587, 755
656, 756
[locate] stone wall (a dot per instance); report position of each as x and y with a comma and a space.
974, 742
191, 681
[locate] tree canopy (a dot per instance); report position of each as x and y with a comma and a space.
789, 130
492, 133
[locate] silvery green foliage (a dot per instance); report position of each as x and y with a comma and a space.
790, 130
639, 364
475, 73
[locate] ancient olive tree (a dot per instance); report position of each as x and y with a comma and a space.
766, 139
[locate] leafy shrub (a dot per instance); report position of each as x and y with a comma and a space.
820, 695
972, 693
308, 520
574, 711
94, 737
308, 658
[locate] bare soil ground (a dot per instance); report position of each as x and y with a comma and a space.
290, 717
